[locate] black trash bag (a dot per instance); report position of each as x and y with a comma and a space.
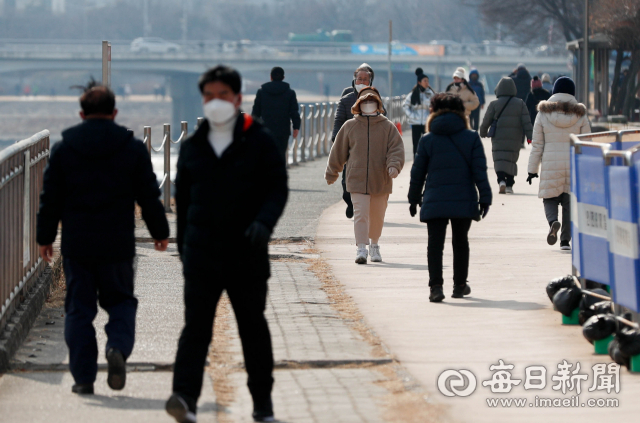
567, 299
617, 355
599, 327
629, 340
556, 284
602, 307
588, 300
594, 285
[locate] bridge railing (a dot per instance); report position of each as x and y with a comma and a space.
21, 178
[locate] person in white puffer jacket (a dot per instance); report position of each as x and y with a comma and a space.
416, 107
557, 118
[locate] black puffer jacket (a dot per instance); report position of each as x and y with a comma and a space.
218, 198
277, 105
95, 176
536, 96
522, 78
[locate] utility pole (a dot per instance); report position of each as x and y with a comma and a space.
146, 27
106, 64
389, 59
585, 57
184, 22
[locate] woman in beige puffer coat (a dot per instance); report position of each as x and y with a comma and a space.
462, 89
373, 151
557, 118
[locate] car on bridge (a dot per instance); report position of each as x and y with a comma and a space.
153, 45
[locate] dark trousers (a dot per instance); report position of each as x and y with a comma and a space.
437, 229
417, 131
474, 119
346, 195
551, 211
282, 143
504, 176
110, 284
248, 299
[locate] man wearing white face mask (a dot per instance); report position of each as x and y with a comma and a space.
231, 188
373, 151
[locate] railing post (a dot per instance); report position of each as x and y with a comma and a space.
312, 130
200, 120
167, 168
303, 131
147, 138
319, 128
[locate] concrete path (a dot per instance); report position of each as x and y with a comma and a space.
508, 315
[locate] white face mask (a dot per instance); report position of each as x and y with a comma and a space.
219, 112
369, 107
359, 87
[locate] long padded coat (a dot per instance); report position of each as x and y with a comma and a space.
557, 118
513, 124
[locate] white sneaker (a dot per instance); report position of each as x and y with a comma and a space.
509, 190
361, 256
503, 187
375, 253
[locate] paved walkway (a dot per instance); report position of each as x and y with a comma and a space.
507, 316
329, 366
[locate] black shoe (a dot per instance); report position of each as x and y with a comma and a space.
117, 369
82, 389
263, 411
178, 408
437, 295
349, 211
564, 245
552, 237
460, 291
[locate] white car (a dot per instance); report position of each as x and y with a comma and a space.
153, 45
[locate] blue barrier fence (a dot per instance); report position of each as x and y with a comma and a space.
605, 207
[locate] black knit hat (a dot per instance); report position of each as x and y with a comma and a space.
420, 74
564, 85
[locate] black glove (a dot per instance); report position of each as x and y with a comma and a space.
258, 234
413, 209
484, 209
531, 176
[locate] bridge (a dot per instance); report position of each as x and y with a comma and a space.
303, 64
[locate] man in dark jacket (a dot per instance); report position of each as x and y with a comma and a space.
474, 81
522, 78
95, 176
231, 188
535, 96
451, 159
276, 104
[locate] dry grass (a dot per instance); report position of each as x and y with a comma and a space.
221, 360
58, 285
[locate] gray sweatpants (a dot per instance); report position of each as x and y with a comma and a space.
551, 210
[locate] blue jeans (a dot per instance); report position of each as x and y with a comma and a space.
110, 284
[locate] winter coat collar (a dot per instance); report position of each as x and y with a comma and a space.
562, 103
370, 119
244, 123
447, 122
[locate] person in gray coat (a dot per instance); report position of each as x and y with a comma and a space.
513, 124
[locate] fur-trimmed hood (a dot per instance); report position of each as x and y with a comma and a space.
447, 125
562, 110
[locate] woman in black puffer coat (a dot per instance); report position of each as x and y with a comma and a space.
451, 159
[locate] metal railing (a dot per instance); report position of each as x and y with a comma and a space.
165, 147
21, 177
316, 128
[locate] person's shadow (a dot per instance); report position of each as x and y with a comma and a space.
474, 302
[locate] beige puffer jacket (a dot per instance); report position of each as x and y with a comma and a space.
369, 145
467, 95
558, 117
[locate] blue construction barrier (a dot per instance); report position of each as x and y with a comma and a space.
590, 252
605, 209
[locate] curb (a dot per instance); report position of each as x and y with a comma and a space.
20, 323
